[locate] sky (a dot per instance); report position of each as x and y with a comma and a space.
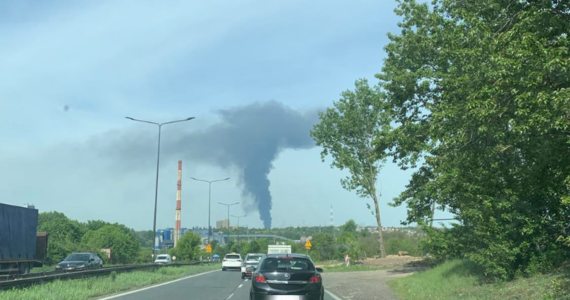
253, 73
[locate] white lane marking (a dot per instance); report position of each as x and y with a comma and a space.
161, 284
335, 297
246, 279
240, 285
230, 296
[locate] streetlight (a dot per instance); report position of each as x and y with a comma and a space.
238, 217
228, 205
209, 201
157, 166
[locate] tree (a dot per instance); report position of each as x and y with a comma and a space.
214, 243
479, 94
323, 246
124, 243
347, 132
188, 247
64, 235
146, 238
254, 246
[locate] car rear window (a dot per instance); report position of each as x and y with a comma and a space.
287, 263
254, 257
233, 256
162, 257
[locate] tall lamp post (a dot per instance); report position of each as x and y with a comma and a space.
157, 167
209, 201
228, 205
238, 217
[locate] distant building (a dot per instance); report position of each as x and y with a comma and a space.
222, 224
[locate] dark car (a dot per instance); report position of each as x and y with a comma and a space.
80, 261
291, 275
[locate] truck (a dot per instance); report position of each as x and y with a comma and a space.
278, 249
21, 246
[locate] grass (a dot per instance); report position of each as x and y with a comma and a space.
104, 285
43, 269
352, 268
460, 279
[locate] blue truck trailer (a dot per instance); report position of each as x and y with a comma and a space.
21, 246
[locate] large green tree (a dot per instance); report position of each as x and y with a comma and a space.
188, 247
124, 243
346, 132
64, 235
480, 96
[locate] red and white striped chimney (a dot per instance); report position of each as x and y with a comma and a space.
177, 226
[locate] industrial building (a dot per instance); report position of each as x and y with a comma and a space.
221, 224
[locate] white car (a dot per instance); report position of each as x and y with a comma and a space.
163, 259
231, 261
251, 260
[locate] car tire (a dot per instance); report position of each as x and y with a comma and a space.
223, 269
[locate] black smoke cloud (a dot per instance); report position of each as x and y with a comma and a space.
250, 138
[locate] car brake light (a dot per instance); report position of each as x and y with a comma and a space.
315, 279
260, 278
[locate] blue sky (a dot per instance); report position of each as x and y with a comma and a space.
164, 60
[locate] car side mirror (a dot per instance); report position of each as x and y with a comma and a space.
320, 270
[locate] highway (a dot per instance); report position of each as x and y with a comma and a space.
214, 285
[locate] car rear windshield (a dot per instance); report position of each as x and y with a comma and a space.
254, 257
233, 256
77, 257
162, 257
287, 263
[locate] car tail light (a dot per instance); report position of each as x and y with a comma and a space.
260, 278
315, 279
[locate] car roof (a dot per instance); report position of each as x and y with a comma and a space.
295, 255
232, 254
256, 254
82, 253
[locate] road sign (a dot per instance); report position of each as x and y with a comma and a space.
209, 248
308, 245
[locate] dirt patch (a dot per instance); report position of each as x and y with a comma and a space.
369, 285
399, 263
372, 284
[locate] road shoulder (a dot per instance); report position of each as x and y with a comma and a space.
362, 285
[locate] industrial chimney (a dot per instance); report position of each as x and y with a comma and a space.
178, 204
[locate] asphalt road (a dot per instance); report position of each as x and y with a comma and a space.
215, 285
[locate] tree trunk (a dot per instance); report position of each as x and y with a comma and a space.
379, 223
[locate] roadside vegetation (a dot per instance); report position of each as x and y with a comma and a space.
99, 286
463, 279
473, 96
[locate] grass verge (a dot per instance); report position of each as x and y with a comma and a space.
460, 279
352, 268
104, 285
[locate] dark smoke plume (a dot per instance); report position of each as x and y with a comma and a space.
250, 138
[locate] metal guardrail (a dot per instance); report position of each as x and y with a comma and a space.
39, 278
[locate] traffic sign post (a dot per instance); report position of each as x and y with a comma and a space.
209, 248
308, 246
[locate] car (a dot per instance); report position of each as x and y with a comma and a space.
80, 261
251, 260
287, 275
231, 261
163, 259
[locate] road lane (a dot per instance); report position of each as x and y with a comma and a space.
216, 285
